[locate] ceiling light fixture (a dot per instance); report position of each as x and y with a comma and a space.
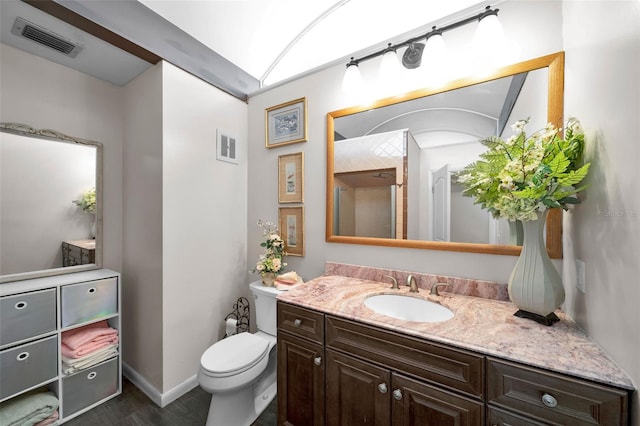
352, 80
412, 57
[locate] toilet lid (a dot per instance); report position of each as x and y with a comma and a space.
234, 354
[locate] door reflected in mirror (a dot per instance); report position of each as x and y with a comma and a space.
391, 167
50, 203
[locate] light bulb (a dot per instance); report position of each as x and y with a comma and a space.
435, 63
435, 48
389, 67
352, 80
489, 31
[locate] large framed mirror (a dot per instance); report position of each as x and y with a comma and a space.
391, 166
50, 203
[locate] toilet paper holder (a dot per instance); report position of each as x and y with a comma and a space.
240, 314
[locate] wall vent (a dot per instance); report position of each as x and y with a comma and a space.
45, 37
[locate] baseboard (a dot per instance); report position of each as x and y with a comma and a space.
158, 398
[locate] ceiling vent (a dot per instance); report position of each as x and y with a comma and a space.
45, 37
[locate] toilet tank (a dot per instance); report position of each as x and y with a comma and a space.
265, 303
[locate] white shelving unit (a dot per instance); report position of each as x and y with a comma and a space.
33, 315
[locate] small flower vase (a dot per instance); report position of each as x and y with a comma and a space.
268, 278
535, 286
92, 229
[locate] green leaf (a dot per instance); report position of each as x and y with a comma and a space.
574, 176
571, 200
558, 165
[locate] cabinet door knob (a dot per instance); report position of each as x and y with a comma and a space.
297, 322
317, 360
382, 387
397, 394
549, 400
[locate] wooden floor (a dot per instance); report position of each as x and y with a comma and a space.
134, 408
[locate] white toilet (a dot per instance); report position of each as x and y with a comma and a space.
240, 371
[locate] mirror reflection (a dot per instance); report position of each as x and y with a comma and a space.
49, 203
392, 167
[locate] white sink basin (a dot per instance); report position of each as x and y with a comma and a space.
408, 308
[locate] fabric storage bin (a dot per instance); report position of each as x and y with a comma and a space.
27, 315
89, 386
28, 365
87, 301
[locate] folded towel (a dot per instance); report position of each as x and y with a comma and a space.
28, 409
73, 365
84, 335
49, 420
287, 281
88, 348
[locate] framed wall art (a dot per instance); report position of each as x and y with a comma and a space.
291, 178
286, 123
291, 220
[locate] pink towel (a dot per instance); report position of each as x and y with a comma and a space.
87, 348
84, 340
83, 335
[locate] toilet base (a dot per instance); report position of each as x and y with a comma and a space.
242, 406
236, 408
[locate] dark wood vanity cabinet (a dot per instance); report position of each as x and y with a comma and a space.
349, 373
550, 398
357, 392
301, 367
361, 393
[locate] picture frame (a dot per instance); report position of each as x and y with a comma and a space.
291, 221
291, 178
286, 123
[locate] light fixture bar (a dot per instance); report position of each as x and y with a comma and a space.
434, 30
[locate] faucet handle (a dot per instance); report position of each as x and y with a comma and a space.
434, 288
394, 282
412, 283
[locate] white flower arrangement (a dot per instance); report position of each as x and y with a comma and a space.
87, 202
271, 259
523, 175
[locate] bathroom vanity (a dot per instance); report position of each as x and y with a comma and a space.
33, 316
341, 363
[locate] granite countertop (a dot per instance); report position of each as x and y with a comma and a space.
482, 325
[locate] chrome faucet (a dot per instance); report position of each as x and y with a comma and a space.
394, 282
434, 288
413, 285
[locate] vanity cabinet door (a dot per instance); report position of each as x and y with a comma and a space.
418, 404
357, 392
301, 367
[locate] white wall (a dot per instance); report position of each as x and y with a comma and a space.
142, 294
602, 43
185, 225
204, 219
46, 95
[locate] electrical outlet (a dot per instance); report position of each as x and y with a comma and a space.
580, 276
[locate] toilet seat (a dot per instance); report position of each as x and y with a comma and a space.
234, 355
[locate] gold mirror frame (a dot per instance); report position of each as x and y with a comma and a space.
555, 106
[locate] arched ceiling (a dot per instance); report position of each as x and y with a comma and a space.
274, 40
240, 46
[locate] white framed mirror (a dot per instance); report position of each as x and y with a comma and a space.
50, 203
400, 154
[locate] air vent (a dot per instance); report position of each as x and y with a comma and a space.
45, 37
